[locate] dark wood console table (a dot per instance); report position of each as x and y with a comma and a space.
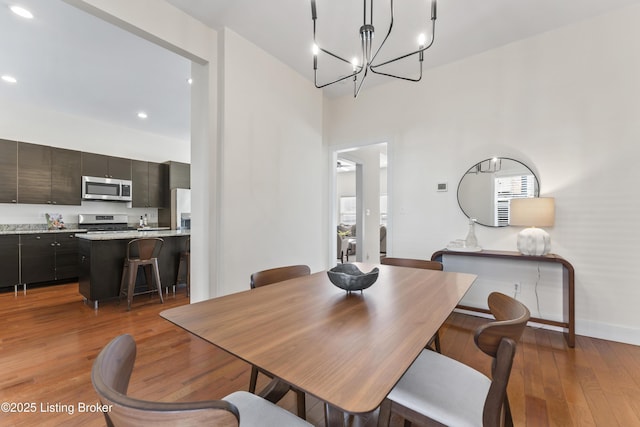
568, 285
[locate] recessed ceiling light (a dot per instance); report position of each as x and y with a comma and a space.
190, 80
9, 79
142, 115
21, 11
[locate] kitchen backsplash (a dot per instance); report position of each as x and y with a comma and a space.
31, 217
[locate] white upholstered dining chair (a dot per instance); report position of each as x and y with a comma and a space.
437, 390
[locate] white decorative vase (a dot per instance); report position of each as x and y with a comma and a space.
534, 241
471, 240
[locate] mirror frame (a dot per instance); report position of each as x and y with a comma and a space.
476, 165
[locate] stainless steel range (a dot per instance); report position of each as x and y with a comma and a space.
102, 223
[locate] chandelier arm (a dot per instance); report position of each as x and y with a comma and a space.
433, 36
315, 80
314, 17
385, 37
364, 13
334, 55
363, 45
339, 79
399, 77
355, 81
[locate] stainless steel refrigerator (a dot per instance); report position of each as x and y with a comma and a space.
180, 209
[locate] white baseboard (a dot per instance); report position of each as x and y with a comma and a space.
586, 328
608, 332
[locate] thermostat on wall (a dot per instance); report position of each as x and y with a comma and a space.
442, 186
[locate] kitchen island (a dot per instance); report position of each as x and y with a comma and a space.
102, 259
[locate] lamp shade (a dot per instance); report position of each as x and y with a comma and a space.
533, 212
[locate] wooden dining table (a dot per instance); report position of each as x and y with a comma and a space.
346, 349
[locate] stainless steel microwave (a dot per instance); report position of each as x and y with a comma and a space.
96, 188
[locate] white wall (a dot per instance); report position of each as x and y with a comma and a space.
566, 103
30, 123
274, 186
346, 184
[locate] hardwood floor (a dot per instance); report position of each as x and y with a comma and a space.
50, 339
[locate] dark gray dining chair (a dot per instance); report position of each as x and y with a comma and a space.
110, 377
438, 390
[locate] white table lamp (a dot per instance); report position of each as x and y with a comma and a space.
532, 213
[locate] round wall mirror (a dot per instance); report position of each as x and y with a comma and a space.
485, 190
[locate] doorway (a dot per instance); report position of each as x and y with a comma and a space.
360, 203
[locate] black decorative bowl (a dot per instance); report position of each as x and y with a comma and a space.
350, 278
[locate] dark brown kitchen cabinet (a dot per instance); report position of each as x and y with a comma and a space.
103, 166
150, 183
48, 175
38, 263
34, 173
100, 269
66, 256
158, 182
140, 184
179, 175
8, 171
66, 181
47, 257
9, 254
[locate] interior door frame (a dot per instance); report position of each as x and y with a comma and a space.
333, 198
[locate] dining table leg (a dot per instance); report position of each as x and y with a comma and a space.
384, 416
333, 417
336, 418
275, 390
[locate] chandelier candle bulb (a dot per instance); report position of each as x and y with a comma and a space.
421, 40
315, 49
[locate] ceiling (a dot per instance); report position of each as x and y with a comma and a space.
284, 28
67, 60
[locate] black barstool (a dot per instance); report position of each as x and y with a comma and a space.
141, 252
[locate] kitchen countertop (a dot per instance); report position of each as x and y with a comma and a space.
122, 235
44, 230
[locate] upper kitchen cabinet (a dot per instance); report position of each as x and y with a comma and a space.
105, 166
66, 181
34, 173
179, 175
48, 175
149, 183
8, 171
